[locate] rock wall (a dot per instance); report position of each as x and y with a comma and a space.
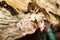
18, 18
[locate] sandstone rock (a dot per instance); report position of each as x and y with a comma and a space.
17, 26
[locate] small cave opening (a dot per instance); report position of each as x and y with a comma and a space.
34, 36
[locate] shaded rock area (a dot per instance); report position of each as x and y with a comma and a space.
34, 36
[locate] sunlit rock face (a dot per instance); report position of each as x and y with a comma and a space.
50, 5
13, 27
17, 20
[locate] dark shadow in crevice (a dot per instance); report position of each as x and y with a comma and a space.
34, 36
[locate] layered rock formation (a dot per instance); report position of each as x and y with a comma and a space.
18, 18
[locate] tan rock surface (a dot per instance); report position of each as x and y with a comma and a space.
12, 27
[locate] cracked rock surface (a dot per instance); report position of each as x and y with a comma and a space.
18, 20
16, 27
